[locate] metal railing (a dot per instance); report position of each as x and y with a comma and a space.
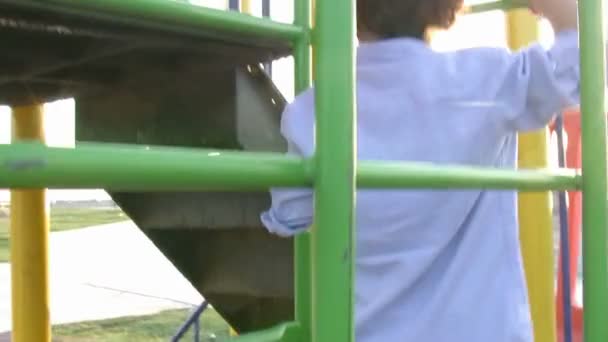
192, 322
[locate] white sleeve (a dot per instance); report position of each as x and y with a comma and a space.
291, 211
537, 84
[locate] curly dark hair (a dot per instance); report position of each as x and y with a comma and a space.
405, 18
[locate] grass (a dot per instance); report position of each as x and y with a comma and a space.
152, 328
64, 219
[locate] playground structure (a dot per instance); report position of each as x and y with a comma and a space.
157, 72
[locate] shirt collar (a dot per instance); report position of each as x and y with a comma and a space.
389, 49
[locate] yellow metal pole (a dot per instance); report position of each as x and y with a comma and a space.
246, 7
29, 243
535, 218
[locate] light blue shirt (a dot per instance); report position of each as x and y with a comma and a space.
435, 266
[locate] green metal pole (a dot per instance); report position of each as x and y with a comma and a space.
133, 167
137, 168
285, 332
333, 236
431, 176
302, 269
595, 185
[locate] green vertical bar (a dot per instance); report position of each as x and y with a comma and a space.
333, 236
303, 298
595, 186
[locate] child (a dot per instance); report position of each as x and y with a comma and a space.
438, 266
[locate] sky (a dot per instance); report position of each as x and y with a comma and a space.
466, 33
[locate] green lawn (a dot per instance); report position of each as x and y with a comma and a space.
151, 328
159, 327
64, 219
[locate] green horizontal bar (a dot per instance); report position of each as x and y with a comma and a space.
431, 176
132, 167
503, 5
120, 167
167, 15
287, 332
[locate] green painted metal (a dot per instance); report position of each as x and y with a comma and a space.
424, 175
503, 5
302, 51
132, 167
287, 332
333, 246
125, 167
595, 184
302, 247
169, 15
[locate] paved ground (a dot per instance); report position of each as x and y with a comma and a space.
105, 272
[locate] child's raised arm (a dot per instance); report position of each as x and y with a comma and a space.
537, 84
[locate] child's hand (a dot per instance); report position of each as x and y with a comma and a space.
562, 14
